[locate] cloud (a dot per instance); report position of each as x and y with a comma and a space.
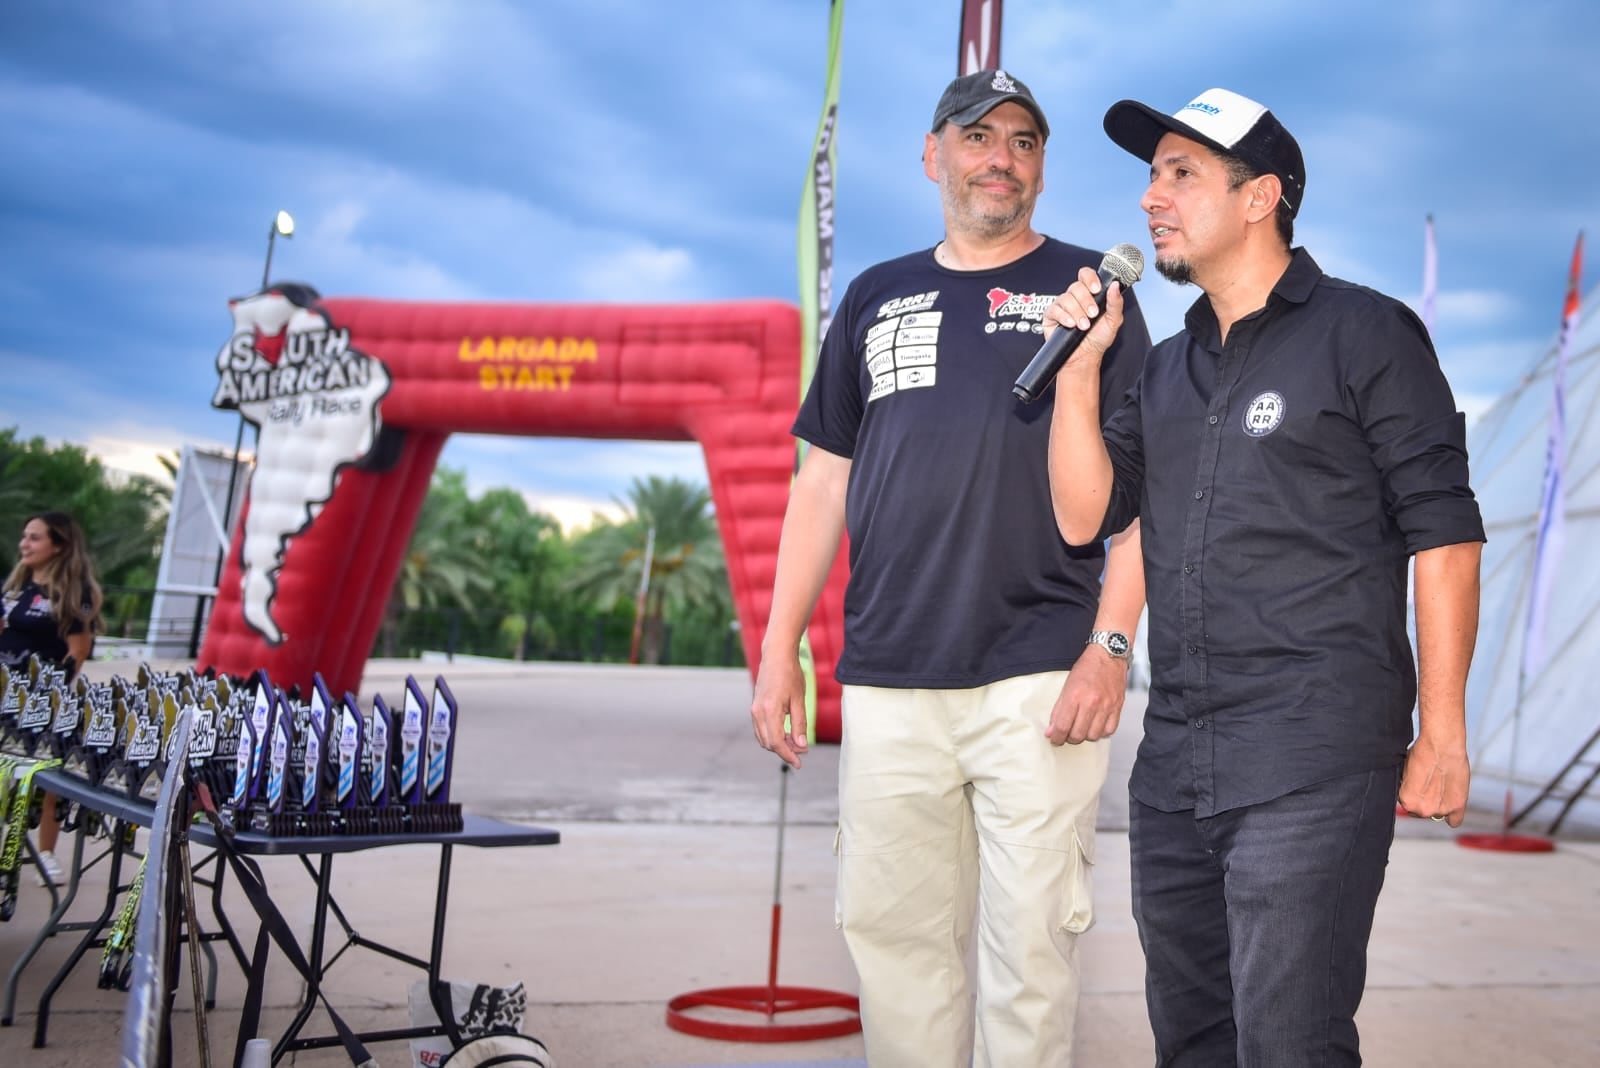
1456, 308
570, 478
1489, 367
122, 441
640, 273
574, 514
303, 49
503, 151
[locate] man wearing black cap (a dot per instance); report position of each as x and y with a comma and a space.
1287, 453
972, 759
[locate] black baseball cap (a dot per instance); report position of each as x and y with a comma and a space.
972, 96
1223, 121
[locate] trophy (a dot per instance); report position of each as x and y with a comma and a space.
269, 813
91, 757
349, 752
164, 713
378, 771
413, 725
37, 709
438, 814
314, 761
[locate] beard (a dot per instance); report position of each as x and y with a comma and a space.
995, 220
1177, 270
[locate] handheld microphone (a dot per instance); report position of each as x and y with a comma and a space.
1122, 263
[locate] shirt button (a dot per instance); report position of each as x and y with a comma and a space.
1199, 495
1192, 649
1188, 569
1199, 724
1212, 420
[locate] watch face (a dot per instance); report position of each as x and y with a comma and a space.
1117, 644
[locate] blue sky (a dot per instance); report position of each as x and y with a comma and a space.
627, 150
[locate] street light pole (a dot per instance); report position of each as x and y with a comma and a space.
644, 589
282, 223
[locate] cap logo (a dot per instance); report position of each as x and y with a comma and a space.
1002, 83
1198, 105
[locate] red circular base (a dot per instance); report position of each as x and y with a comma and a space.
1506, 843
769, 1001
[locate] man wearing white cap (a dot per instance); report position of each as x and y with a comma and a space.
1287, 452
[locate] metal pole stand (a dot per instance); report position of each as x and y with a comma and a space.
1505, 841
772, 999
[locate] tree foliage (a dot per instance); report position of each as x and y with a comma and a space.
512, 582
122, 516
485, 573
687, 567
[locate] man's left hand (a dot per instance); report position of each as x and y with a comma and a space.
1435, 780
1090, 705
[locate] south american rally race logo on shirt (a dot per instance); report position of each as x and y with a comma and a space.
1021, 312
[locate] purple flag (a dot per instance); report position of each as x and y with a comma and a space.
1430, 276
1552, 505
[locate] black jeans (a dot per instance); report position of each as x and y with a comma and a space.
1255, 922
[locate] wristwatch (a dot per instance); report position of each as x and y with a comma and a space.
1114, 642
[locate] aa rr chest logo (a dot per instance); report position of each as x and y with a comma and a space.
1264, 414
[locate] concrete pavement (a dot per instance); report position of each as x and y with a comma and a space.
663, 884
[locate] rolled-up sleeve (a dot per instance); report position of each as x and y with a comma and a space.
1124, 438
1417, 437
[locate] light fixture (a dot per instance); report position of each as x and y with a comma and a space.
282, 223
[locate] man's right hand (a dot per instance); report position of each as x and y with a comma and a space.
780, 692
1078, 308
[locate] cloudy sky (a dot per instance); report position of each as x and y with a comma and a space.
629, 150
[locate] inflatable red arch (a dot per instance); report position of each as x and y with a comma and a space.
334, 499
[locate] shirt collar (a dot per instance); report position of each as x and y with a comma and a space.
1294, 285
1299, 279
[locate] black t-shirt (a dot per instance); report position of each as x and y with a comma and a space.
958, 576
31, 627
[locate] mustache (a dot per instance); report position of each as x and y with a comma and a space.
992, 176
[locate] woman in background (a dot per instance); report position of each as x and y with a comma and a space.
51, 607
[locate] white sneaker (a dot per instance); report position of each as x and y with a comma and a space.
48, 869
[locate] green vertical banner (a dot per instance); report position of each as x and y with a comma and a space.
816, 272
816, 216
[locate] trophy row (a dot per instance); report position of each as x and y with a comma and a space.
275, 761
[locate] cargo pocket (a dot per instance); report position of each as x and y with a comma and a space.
1077, 914
838, 880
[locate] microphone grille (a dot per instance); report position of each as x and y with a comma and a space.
1126, 262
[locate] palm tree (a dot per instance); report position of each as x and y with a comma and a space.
526, 551
443, 564
687, 567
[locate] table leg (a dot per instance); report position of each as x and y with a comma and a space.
220, 914
47, 931
436, 955
113, 881
38, 866
319, 928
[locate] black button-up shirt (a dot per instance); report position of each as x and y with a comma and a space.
1282, 480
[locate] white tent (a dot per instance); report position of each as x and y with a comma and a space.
1559, 709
